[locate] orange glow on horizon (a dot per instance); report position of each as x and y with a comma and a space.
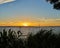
25, 24
30, 24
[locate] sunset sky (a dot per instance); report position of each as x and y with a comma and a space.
28, 13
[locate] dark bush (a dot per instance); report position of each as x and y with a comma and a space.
42, 39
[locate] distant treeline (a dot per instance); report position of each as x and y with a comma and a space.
42, 39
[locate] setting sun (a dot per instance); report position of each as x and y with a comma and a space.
25, 24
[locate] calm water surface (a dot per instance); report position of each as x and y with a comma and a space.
26, 30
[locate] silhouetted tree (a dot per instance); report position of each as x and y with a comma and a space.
56, 4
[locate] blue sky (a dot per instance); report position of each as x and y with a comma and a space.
27, 11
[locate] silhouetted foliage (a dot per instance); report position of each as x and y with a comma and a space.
9, 39
56, 4
42, 39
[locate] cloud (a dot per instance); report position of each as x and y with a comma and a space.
5, 1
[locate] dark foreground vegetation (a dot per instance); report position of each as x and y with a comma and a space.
42, 39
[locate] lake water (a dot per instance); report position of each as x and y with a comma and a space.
26, 30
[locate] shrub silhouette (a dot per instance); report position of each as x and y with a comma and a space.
42, 39
10, 40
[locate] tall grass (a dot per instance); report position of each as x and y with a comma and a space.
42, 39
